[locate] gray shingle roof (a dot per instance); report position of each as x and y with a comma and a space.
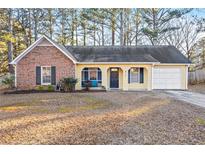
162, 54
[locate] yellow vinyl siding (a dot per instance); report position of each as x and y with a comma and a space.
140, 86
123, 75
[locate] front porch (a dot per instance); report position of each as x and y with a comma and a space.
114, 77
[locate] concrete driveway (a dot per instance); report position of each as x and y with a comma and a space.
189, 97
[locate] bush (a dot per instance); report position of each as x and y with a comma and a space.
68, 84
45, 87
40, 88
9, 81
50, 88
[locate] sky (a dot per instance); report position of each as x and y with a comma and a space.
198, 12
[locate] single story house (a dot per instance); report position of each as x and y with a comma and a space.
45, 62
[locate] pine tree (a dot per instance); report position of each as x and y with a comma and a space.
157, 22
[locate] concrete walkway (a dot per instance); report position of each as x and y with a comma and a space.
190, 97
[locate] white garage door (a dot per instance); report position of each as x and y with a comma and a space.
166, 78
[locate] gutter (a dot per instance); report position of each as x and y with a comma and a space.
153, 63
90, 63
171, 64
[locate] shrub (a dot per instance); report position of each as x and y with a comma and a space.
40, 88
9, 81
50, 88
45, 87
68, 84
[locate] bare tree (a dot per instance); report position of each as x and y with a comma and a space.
190, 33
198, 54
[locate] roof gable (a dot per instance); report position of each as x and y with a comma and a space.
41, 42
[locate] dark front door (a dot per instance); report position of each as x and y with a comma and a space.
114, 78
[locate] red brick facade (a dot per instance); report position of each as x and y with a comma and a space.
42, 56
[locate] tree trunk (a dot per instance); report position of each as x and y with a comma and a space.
127, 25
121, 27
154, 41
113, 37
136, 27
63, 27
50, 23
113, 29
94, 34
10, 45
76, 36
72, 27
36, 14
103, 39
30, 33
62, 33
76, 28
84, 35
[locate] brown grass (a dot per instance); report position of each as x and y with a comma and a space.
99, 118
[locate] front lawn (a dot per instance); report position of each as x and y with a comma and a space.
99, 118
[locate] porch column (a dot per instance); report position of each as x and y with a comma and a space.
149, 74
104, 77
125, 78
78, 71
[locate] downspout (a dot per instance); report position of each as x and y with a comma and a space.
152, 77
187, 77
15, 75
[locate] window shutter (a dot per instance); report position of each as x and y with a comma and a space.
129, 76
86, 75
99, 75
38, 75
141, 75
53, 75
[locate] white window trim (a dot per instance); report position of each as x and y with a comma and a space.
137, 74
42, 76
